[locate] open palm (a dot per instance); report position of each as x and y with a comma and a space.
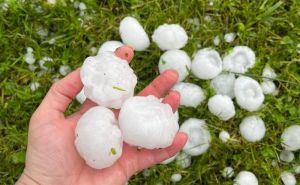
51, 156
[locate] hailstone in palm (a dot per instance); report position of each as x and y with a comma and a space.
111, 46
252, 128
221, 106
108, 80
146, 122
224, 84
245, 178
98, 138
291, 138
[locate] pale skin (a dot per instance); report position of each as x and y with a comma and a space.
51, 157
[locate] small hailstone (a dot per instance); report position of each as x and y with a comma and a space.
268, 72
80, 97
93, 50
64, 70
171, 159
176, 177
51, 1
98, 138
111, 46
29, 57
245, 178
31, 67
146, 172
177, 60
207, 64
191, 95
207, 18
82, 6
148, 123
224, 84
52, 41
43, 61
224, 136
221, 106
239, 60
195, 21
274, 163
42, 32
268, 87
228, 172
183, 160
108, 80
216, 40
297, 169
170, 36
198, 136
252, 128
133, 34
291, 138
248, 93
229, 37
34, 86
288, 178
286, 156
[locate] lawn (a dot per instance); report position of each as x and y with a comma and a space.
270, 27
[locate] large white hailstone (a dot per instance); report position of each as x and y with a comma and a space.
288, 178
133, 34
111, 46
248, 93
184, 160
268, 87
224, 136
191, 95
221, 106
198, 136
80, 97
108, 80
171, 159
64, 70
148, 123
170, 36
176, 177
224, 84
245, 178
207, 64
291, 138
239, 60
252, 128
286, 156
29, 57
228, 172
229, 37
177, 60
43, 61
98, 137
268, 72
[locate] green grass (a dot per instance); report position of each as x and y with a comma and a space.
270, 27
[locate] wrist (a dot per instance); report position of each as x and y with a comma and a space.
25, 179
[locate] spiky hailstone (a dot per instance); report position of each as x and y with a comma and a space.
108, 80
184, 160
252, 128
191, 95
98, 137
177, 60
288, 178
171, 159
170, 36
239, 60
221, 106
207, 64
224, 136
146, 122
291, 138
248, 93
228, 172
133, 34
286, 156
223, 84
176, 177
229, 37
245, 178
198, 136
80, 97
268, 87
111, 46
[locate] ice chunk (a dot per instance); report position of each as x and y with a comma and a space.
245, 178
221, 106
252, 128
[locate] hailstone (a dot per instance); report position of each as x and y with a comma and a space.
224, 84
148, 123
252, 128
288, 178
286, 156
229, 37
198, 136
239, 60
191, 95
133, 34
268, 72
111, 46
98, 138
176, 177
228, 172
108, 80
291, 138
183, 160
245, 178
248, 93
207, 64
268, 87
224, 136
170, 36
177, 60
80, 97
221, 106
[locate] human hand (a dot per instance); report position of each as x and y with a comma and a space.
51, 156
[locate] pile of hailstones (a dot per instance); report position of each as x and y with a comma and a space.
148, 123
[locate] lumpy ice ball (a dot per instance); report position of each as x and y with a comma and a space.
224, 84
111, 46
108, 80
170, 36
133, 34
221, 106
98, 138
291, 138
252, 128
148, 123
177, 60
